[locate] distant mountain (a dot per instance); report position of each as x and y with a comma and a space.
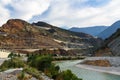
89, 30
111, 45
110, 30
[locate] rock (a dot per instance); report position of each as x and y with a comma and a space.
102, 63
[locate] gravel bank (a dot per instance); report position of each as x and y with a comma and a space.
115, 62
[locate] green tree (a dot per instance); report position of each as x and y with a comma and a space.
11, 55
41, 62
67, 75
12, 63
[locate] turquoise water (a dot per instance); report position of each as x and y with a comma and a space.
86, 74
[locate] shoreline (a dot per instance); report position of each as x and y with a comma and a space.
108, 70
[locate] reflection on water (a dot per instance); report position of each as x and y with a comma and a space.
86, 74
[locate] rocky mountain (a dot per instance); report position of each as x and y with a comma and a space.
111, 45
94, 31
19, 34
110, 30
67, 36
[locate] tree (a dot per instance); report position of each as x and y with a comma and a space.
67, 75
11, 55
41, 62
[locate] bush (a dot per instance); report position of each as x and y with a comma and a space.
12, 63
44, 64
40, 62
52, 71
11, 55
67, 75
34, 72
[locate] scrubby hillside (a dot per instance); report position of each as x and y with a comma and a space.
19, 34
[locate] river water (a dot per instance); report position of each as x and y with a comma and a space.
85, 74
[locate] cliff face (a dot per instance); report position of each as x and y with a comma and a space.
111, 45
113, 42
114, 45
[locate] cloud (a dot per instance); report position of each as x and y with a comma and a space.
83, 14
26, 9
4, 14
23, 9
69, 13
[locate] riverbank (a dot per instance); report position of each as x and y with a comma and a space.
60, 58
114, 69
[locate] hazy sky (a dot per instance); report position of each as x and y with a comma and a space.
62, 13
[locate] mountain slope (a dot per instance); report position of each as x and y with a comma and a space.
19, 34
89, 30
110, 30
111, 45
66, 35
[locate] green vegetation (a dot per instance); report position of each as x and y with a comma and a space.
44, 64
11, 55
22, 76
12, 63
36, 65
67, 75
68, 58
33, 71
41, 62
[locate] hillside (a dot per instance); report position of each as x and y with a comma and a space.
19, 34
111, 45
110, 30
66, 36
114, 43
94, 31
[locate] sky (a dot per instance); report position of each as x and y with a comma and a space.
62, 13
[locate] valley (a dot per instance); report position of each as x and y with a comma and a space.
59, 40
23, 42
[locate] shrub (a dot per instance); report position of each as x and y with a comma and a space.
67, 75
41, 62
12, 63
34, 72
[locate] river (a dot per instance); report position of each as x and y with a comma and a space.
85, 74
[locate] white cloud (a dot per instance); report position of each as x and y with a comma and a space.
5, 2
23, 9
62, 14
4, 15
26, 9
